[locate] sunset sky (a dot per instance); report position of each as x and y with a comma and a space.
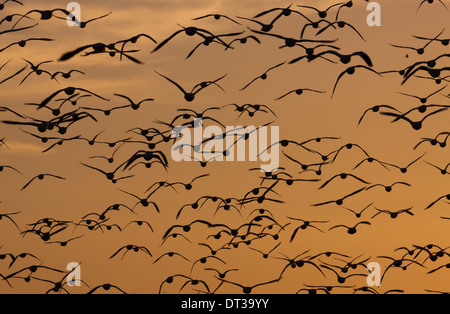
299, 118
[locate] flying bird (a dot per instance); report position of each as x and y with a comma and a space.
340, 202
351, 71
321, 13
42, 177
263, 76
217, 17
351, 230
190, 96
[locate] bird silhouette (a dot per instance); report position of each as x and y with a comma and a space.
129, 248
262, 76
41, 177
438, 200
351, 71
393, 215
249, 290
217, 17
351, 230
190, 96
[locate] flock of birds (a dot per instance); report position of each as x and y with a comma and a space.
64, 110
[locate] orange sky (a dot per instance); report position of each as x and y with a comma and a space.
299, 117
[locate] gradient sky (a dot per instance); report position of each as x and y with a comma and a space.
299, 118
